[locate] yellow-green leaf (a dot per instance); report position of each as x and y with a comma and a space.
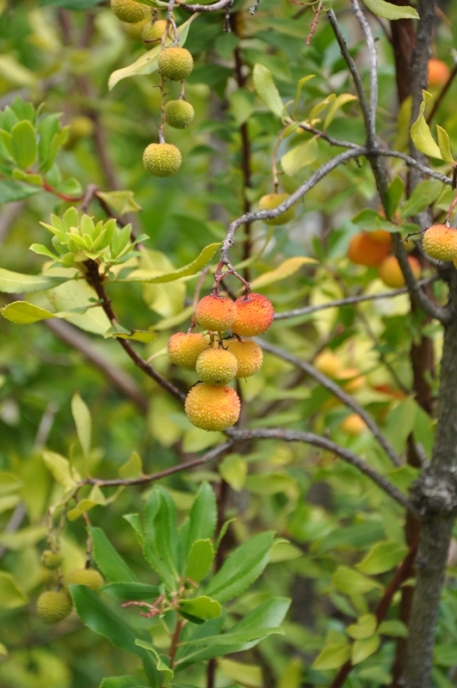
3, 649
362, 649
332, 657
444, 144
286, 269
23, 538
265, 87
249, 675
24, 313
339, 101
234, 470
24, 144
150, 277
59, 467
300, 156
120, 201
144, 336
11, 595
350, 582
292, 676
83, 422
382, 557
283, 550
9, 482
364, 628
421, 134
133, 468
15, 282
387, 10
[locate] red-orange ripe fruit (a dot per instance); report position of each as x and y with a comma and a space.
255, 314
382, 236
364, 250
216, 366
440, 242
248, 354
438, 72
216, 313
184, 348
390, 272
212, 408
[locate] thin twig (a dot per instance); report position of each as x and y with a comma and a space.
215, 7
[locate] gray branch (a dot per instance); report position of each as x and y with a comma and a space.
373, 70
220, 5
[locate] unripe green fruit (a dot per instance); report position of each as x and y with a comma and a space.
216, 366
271, 201
215, 313
135, 30
248, 354
185, 348
153, 32
175, 63
51, 560
178, 113
54, 606
130, 11
93, 579
162, 159
255, 314
212, 408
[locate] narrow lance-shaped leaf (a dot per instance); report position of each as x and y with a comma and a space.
387, 10
83, 422
16, 282
148, 277
421, 134
266, 89
109, 561
24, 144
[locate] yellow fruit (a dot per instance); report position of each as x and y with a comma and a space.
153, 32
248, 354
162, 159
216, 366
353, 425
216, 313
51, 560
54, 606
130, 11
390, 272
255, 314
212, 408
438, 73
271, 201
175, 63
440, 242
185, 348
328, 363
364, 250
90, 577
355, 381
178, 113
135, 30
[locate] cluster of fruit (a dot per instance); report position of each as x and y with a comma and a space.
373, 248
175, 64
211, 404
55, 605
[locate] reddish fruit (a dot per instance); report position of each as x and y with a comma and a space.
438, 72
216, 313
382, 236
216, 366
248, 354
212, 408
255, 314
390, 272
364, 250
184, 348
440, 242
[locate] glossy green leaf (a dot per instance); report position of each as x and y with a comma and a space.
332, 657
304, 154
16, 282
160, 529
24, 144
131, 591
149, 277
202, 607
24, 313
361, 649
387, 10
83, 422
160, 660
59, 468
109, 561
199, 560
148, 62
11, 595
241, 568
382, 557
202, 517
422, 136
265, 87
350, 582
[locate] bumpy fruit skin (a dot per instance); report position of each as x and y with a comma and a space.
178, 114
162, 159
364, 250
216, 366
184, 348
216, 313
328, 363
212, 408
390, 272
53, 606
51, 560
271, 201
438, 72
353, 425
175, 63
90, 577
135, 30
248, 354
130, 11
440, 242
255, 314
153, 32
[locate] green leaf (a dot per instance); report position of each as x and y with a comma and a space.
203, 608
59, 468
121, 681
95, 498
234, 470
148, 63
332, 657
131, 591
364, 628
24, 313
444, 144
394, 195
288, 268
160, 660
29, 178
265, 87
16, 282
110, 563
11, 191
133, 468
202, 517
249, 675
338, 103
423, 195
362, 649
382, 557
11, 595
144, 336
24, 144
83, 422
120, 201
241, 568
350, 582
393, 628
160, 548
387, 10
149, 277
300, 156
421, 134
9, 482
199, 561
77, 294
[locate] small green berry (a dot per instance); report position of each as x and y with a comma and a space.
178, 113
51, 560
53, 606
162, 159
175, 63
130, 11
153, 32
